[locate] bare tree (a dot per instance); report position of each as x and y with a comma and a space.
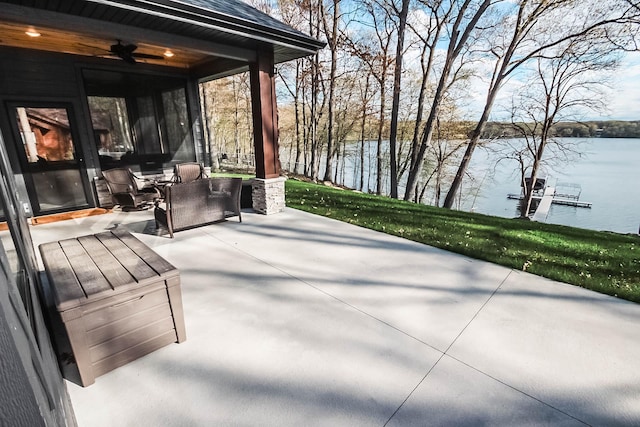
427, 34
365, 98
331, 30
397, 82
228, 118
373, 51
562, 86
295, 93
316, 109
533, 30
445, 145
465, 17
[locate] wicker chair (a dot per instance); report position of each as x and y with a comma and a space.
187, 172
123, 186
199, 202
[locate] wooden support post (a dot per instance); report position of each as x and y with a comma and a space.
265, 115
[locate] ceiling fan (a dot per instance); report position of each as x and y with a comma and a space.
127, 52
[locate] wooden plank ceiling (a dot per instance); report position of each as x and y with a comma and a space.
55, 40
228, 29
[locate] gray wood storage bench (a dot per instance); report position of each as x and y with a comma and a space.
115, 298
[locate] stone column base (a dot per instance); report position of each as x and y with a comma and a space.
268, 195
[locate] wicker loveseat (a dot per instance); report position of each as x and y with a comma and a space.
188, 205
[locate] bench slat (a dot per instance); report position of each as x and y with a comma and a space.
136, 266
111, 269
59, 271
87, 272
155, 261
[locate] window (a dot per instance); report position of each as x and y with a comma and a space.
110, 121
174, 103
139, 120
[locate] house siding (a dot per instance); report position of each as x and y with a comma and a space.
18, 406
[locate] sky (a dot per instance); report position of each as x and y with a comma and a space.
622, 98
624, 101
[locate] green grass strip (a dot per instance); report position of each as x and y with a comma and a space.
231, 175
601, 261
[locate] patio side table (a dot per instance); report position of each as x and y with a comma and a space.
115, 300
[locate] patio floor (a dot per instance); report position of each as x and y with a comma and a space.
298, 320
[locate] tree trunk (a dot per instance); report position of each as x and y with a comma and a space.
305, 136
426, 70
455, 46
427, 134
236, 121
397, 80
313, 120
363, 129
207, 129
383, 100
466, 158
296, 105
333, 41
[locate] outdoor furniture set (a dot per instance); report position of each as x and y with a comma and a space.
110, 298
189, 200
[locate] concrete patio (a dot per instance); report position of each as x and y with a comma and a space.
299, 320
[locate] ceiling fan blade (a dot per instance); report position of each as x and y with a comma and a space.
121, 49
128, 59
126, 52
146, 56
93, 47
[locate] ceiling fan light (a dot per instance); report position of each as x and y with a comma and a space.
168, 53
32, 32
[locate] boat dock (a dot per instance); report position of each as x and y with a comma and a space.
542, 211
545, 196
556, 200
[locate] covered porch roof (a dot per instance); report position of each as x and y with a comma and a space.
211, 38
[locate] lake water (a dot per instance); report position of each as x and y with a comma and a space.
607, 172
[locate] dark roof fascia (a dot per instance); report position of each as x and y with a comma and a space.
212, 19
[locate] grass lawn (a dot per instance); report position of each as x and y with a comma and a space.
604, 262
232, 175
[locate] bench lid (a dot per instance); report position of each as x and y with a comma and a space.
88, 268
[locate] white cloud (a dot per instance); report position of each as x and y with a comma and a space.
624, 97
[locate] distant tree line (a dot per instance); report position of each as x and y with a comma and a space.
590, 129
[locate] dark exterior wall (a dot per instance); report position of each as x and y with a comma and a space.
17, 403
46, 75
33, 76
42, 77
